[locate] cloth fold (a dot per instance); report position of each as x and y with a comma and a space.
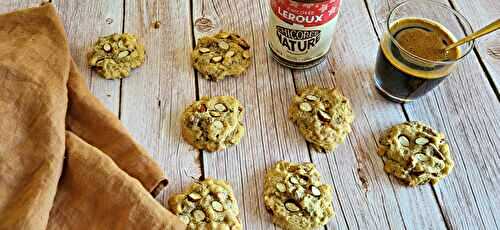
66, 162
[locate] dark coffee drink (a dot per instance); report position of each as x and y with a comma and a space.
412, 59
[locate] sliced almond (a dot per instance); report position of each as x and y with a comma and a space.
214, 114
315, 191
229, 53
306, 107
220, 107
199, 215
281, 187
404, 141
294, 180
421, 141
246, 54
312, 98
106, 47
223, 34
184, 219
123, 54
421, 157
194, 196
204, 50
290, 206
217, 59
218, 124
324, 116
223, 45
217, 206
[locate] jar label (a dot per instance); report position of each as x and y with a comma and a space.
301, 32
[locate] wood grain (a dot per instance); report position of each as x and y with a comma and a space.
265, 91
151, 101
368, 198
466, 109
480, 13
83, 31
155, 95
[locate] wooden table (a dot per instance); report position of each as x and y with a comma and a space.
466, 107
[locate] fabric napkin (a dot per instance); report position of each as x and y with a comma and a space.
65, 161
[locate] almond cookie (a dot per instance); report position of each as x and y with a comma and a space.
208, 204
322, 115
224, 54
213, 123
296, 198
115, 55
415, 153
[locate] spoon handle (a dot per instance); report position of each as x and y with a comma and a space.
485, 30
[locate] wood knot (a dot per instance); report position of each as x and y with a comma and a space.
494, 52
204, 24
157, 24
109, 21
363, 177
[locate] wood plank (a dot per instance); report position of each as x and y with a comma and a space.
466, 109
84, 22
154, 96
82, 32
369, 199
480, 13
265, 91
11, 5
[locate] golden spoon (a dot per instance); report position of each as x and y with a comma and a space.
485, 30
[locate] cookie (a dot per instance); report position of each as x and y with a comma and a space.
323, 116
415, 153
296, 198
213, 123
115, 55
208, 204
222, 55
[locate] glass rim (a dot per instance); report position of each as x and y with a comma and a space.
462, 21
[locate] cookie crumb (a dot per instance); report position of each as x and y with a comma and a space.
157, 24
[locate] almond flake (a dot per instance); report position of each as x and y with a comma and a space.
421, 141
223, 45
292, 207
220, 107
217, 59
324, 116
404, 141
306, 107
229, 53
194, 196
123, 54
204, 50
312, 98
315, 191
281, 187
218, 124
198, 215
217, 206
